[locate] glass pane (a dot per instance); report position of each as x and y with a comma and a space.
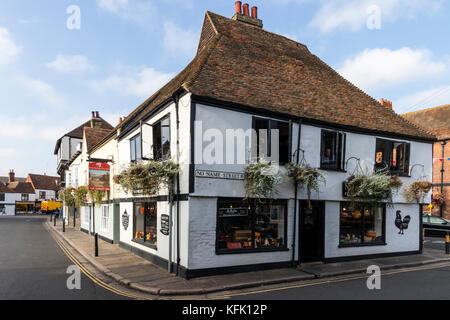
138, 148
262, 127
350, 226
283, 128
157, 152
151, 232
165, 139
139, 212
330, 148
269, 226
133, 149
234, 226
373, 225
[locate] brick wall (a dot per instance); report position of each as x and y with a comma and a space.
437, 167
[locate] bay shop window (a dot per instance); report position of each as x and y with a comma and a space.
362, 225
251, 226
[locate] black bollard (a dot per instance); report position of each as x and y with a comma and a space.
51, 217
447, 244
96, 244
54, 221
64, 224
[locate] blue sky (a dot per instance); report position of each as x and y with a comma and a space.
52, 77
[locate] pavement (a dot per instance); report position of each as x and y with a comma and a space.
137, 273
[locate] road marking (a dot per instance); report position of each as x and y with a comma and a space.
228, 296
92, 277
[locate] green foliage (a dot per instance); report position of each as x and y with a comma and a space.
373, 188
97, 197
149, 177
80, 196
67, 197
260, 181
307, 177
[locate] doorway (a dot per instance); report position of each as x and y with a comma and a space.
312, 231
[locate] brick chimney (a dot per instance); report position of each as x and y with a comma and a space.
386, 103
11, 176
96, 121
245, 16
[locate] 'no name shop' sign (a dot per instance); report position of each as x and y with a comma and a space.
219, 175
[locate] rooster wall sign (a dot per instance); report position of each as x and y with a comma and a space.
402, 224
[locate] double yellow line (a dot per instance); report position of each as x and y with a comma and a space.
92, 277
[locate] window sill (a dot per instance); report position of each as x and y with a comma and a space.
243, 251
146, 244
355, 245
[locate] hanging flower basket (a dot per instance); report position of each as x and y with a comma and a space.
374, 188
438, 199
148, 178
307, 177
66, 196
260, 181
80, 196
97, 197
416, 191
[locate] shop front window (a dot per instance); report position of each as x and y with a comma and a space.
145, 223
362, 225
248, 226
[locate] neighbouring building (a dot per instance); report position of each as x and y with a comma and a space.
77, 168
70, 143
46, 187
437, 121
242, 78
17, 196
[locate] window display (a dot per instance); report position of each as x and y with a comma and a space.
362, 225
245, 226
145, 223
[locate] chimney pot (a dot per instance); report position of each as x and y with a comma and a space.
255, 12
97, 114
246, 10
93, 114
239, 7
11, 176
386, 103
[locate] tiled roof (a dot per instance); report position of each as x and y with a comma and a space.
248, 66
435, 120
78, 132
94, 136
20, 187
44, 182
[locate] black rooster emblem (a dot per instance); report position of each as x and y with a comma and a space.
402, 224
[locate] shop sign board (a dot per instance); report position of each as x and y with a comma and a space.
99, 176
165, 224
233, 212
219, 175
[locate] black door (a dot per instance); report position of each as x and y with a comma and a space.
311, 229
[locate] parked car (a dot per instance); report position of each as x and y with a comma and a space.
435, 226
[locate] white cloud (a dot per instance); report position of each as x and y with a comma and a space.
380, 67
40, 89
9, 152
178, 41
8, 49
141, 82
70, 64
423, 99
352, 14
140, 12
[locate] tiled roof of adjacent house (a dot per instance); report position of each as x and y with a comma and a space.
94, 136
5, 180
435, 120
44, 182
249, 67
78, 132
20, 187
